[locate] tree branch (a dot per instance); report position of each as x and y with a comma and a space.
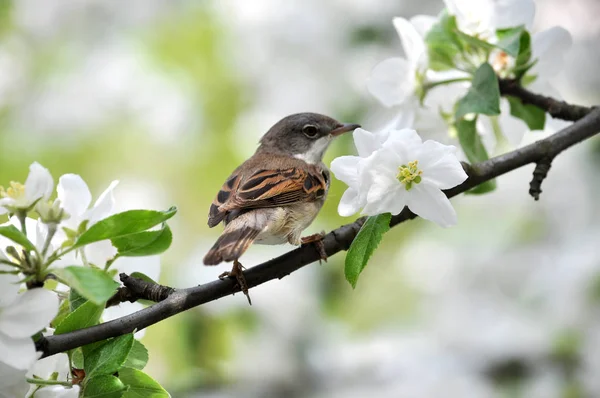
340, 239
556, 109
138, 289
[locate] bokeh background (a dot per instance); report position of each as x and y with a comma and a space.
169, 96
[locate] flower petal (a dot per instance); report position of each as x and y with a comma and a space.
430, 203
9, 287
57, 392
74, 195
549, 48
98, 253
423, 24
392, 81
345, 169
365, 142
440, 165
511, 13
18, 352
349, 203
149, 265
39, 183
12, 381
29, 313
121, 310
103, 206
46, 366
412, 42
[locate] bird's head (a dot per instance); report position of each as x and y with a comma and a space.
305, 136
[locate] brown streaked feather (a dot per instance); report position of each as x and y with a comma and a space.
276, 182
237, 237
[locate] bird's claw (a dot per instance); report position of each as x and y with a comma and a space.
317, 240
237, 273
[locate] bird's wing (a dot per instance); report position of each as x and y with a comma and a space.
268, 188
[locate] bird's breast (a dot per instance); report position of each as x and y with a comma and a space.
287, 223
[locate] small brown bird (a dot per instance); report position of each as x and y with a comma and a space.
276, 194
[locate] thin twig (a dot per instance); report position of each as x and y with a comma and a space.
334, 242
556, 109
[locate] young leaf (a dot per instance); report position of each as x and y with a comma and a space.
443, 43
509, 40
85, 316
138, 356
483, 96
470, 140
11, 232
364, 245
141, 385
472, 146
145, 243
108, 357
93, 284
103, 386
534, 117
522, 63
125, 223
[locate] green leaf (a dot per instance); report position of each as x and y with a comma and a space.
63, 311
13, 233
108, 357
470, 140
472, 146
141, 385
522, 63
125, 223
483, 96
480, 189
475, 42
443, 44
84, 316
103, 386
145, 243
77, 358
138, 356
142, 276
364, 245
75, 299
534, 117
509, 40
93, 284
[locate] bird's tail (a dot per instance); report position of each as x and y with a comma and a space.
231, 244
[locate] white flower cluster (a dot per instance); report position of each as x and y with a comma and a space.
401, 82
25, 313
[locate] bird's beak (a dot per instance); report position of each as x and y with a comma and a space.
344, 128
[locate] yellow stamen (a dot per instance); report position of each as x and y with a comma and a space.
409, 175
15, 191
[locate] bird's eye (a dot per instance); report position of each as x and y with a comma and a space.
310, 131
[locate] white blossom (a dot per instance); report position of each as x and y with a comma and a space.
404, 172
396, 80
57, 368
21, 316
38, 186
481, 18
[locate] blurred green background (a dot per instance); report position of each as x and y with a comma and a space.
170, 96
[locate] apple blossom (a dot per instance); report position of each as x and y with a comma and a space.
21, 316
19, 197
404, 171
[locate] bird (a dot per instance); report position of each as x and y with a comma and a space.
274, 195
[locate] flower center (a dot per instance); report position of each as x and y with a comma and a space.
15, 191
409, 175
